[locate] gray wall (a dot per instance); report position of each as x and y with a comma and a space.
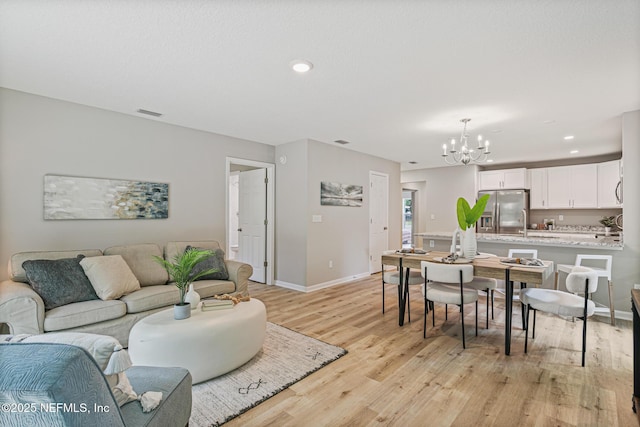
629, 261
291, 212
41, 136
343, 234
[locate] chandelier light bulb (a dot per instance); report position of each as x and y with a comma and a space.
466, 155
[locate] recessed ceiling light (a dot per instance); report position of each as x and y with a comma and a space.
413, 163
573, 152
301, 66
341, 142
490, 161
568, 137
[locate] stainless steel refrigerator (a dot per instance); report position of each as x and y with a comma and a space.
507, 212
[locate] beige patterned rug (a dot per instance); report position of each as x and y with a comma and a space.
286, 357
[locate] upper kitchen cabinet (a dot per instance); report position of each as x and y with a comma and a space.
610, 184
573, 186
538, 198
503, 179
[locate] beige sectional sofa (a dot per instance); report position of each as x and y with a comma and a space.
23, 310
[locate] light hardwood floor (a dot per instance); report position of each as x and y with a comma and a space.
392, 376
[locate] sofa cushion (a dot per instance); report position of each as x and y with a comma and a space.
215, 262
110, 276
140, 260
175, 248
17, 273
83, 313
209, 288
60, 281
150, 297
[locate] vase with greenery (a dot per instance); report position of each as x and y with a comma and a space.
608, 222
467, 218
180, 271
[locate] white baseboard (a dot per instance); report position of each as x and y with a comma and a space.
319, 286
622, 315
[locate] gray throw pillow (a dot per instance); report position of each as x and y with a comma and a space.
59, 281
216, 261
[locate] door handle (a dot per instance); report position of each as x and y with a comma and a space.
385, 228
239, 229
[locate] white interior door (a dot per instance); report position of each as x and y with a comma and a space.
252, 216
379, 219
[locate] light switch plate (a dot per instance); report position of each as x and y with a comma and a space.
316, 218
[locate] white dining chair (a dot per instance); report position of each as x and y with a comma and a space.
603, 270
392, 277
581, 280
444, 283
519, 253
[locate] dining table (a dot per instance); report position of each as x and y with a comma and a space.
485, 265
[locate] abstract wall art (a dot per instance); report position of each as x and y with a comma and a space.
72, 197
336, 194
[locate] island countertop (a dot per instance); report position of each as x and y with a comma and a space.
540, 238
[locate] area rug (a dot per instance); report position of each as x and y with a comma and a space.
286, 357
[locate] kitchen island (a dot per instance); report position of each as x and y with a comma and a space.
586, 240
559, 247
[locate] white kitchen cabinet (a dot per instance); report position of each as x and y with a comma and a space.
538, 193
572, 187
503, 179
609, 176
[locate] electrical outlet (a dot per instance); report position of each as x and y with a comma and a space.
432, 244
330, 264
560, 217
433, 216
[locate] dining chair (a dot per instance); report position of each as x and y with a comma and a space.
392, 277
486, 285
444, 283
519, 253
603, 270
581, 280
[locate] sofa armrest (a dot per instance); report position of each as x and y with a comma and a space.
239, 273
21, 308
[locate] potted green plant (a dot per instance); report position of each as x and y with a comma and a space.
467, 218
180, 271
608, 222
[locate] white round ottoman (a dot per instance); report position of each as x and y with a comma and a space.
208, 344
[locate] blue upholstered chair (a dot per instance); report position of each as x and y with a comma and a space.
62, 385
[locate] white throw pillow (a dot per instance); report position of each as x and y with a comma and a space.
110, 276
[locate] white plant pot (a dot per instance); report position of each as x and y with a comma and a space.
607, 231
181, 311
469, 244
192, 297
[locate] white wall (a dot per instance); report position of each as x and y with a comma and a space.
41, 136
441, 188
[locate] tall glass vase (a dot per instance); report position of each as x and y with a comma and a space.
470, 244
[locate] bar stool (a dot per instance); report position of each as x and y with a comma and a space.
602, 272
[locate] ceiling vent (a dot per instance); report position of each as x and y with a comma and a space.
341, 142
149, 113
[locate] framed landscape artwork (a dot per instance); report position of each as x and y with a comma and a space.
72, 197
336, 194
